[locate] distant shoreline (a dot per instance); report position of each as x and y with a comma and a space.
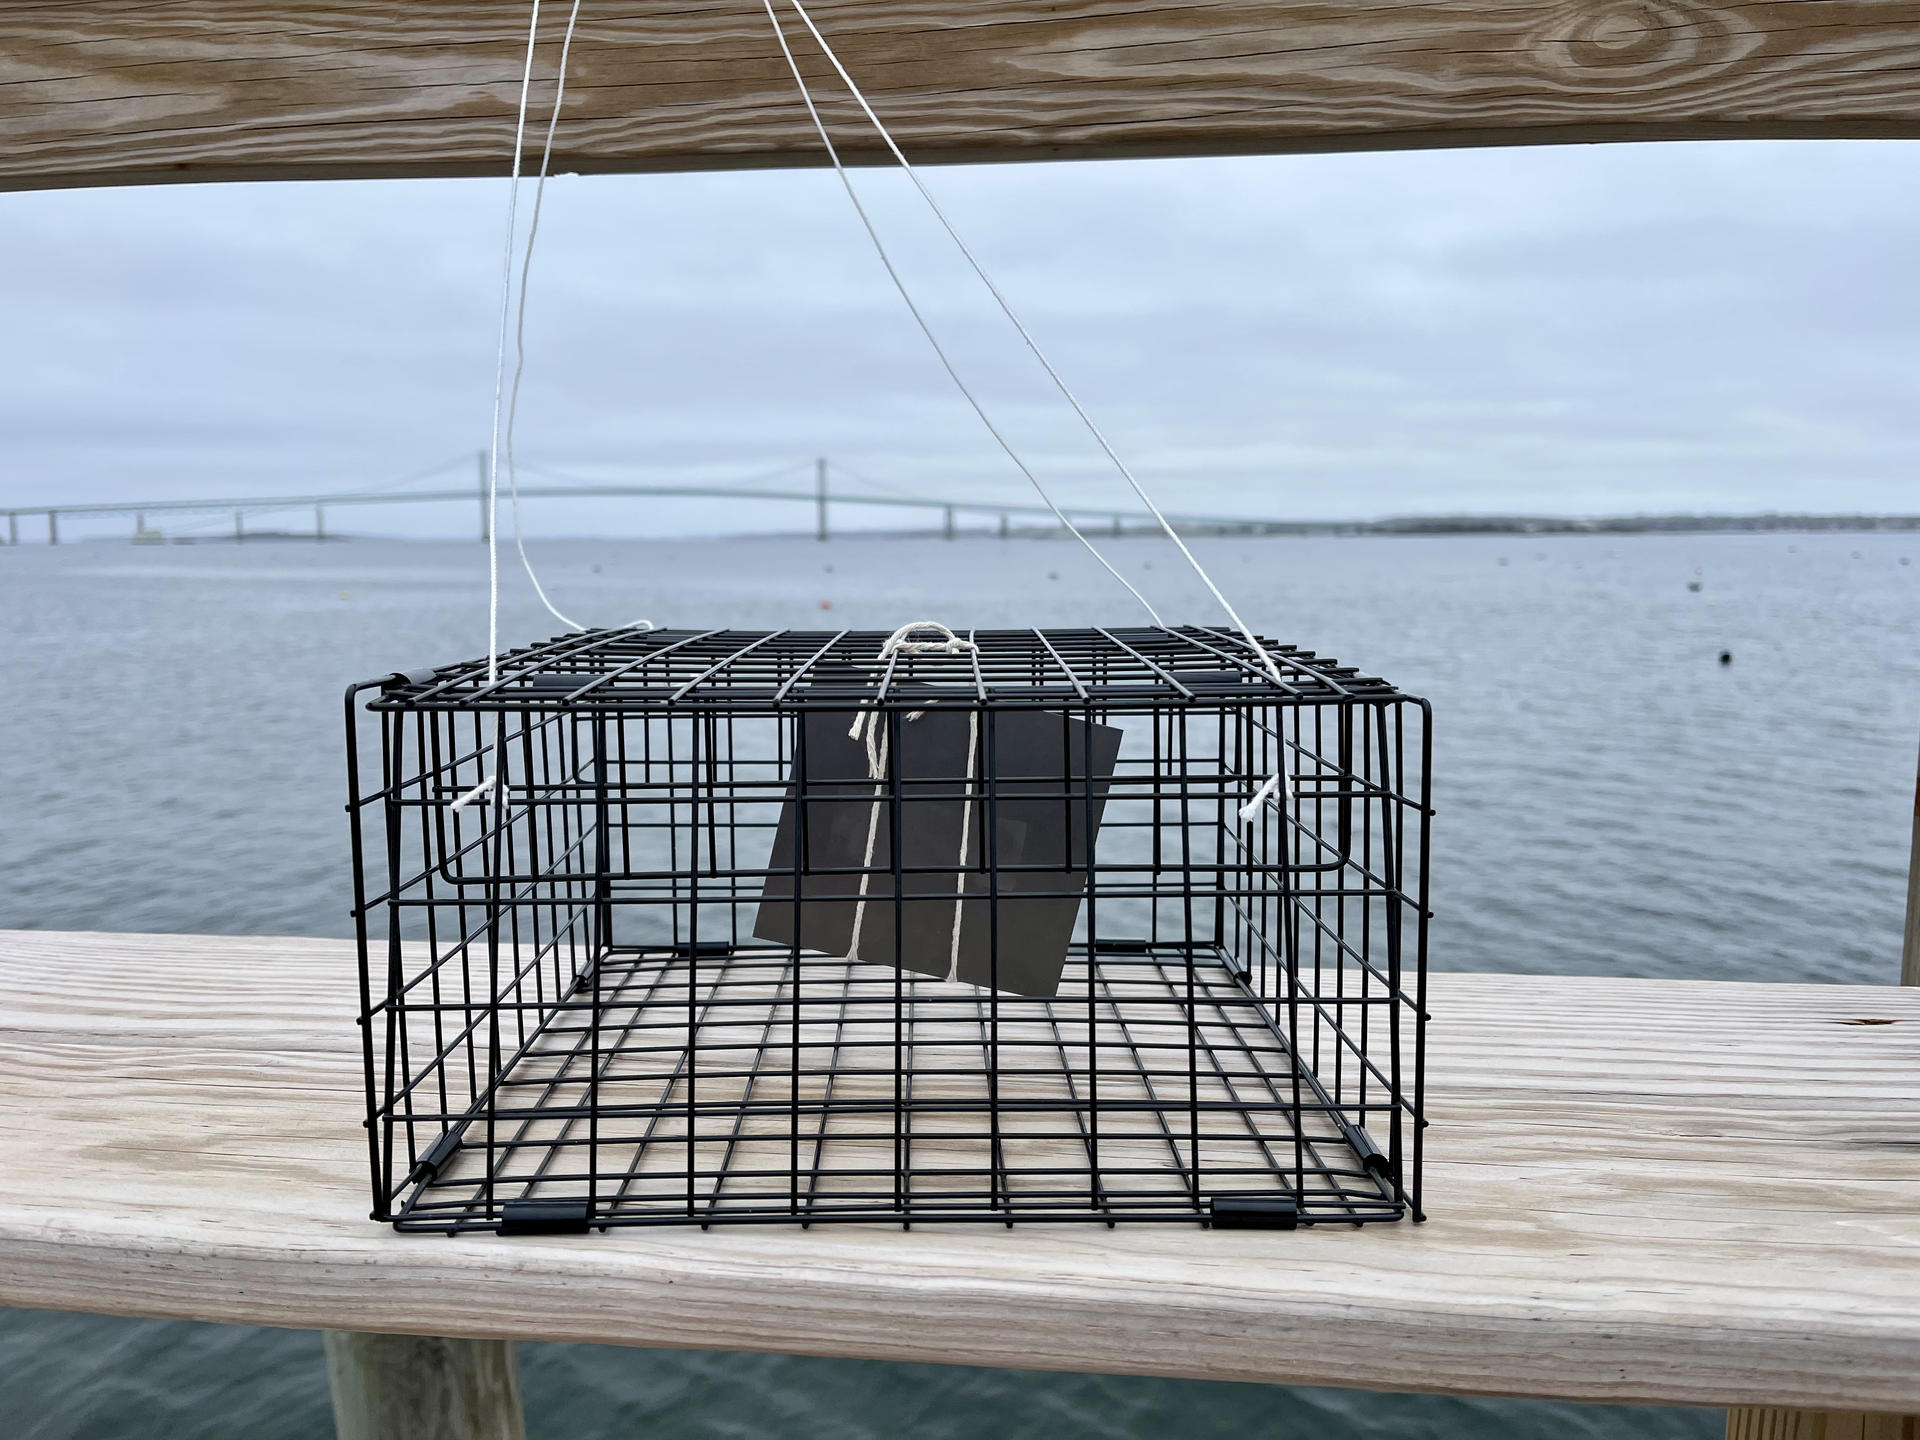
1412, 525
1767, 524
1607, 525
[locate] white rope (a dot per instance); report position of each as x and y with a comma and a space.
1279, 781
478, 792
880, 249
867, 724
520, 321
500, 360
520, 344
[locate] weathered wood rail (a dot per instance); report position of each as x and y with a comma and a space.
1657, 1191
116, 92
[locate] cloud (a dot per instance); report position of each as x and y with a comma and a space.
1577, 329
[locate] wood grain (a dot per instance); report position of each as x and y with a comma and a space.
1819, 1425
127, 91
1687, 1192
421, 1387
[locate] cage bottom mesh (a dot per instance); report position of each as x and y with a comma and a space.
711, 1092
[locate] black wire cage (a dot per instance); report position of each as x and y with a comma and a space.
679, 927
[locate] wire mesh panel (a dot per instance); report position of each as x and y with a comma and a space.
712, 927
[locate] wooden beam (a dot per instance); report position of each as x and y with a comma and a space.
114, 92
1674, 1191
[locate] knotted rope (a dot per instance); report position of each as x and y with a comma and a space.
868, 726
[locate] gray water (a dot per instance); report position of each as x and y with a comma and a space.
1612, 800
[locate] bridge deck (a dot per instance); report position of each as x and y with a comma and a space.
1686, 1192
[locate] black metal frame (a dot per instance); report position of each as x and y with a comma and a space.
567, 1024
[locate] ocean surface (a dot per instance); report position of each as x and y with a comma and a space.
1613, 799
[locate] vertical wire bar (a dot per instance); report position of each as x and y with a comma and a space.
544, 782
435, 761
501, 786
1222, 836
999, 1190
1420, 962
1095, 1198
470, 1022
693, 955
427, 734
802, 803
1158, 858
379, 1179
894, 732
503, 819
1290, 847
1191, 954
600, 946
392, 751
1395, 787
669, 725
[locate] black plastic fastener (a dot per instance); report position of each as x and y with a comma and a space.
1372, 1158
435, 1158
1254, 1212
544, 1217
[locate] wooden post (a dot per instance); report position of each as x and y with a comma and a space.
53, 527
1117, 523
1819, 1425
1004, 526
486, 514
420, 1387
946, 522
13, 528
319, 522
1760, 1423
239, 527
820, 499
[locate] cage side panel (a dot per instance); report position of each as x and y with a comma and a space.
487, 923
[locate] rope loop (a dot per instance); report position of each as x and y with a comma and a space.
866, 724
899, 642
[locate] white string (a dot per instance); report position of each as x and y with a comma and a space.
484, 788
520, 342
1279, 781
520, 321
500, 361
833, 154
867, 724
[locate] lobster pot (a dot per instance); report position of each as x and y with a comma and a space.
719, 927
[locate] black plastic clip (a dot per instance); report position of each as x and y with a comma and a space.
1371, 1157
435, 1159
544, 1217
1254, 1212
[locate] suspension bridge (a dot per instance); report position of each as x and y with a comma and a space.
821, 495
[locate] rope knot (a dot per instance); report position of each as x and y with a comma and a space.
866, 724
900, 643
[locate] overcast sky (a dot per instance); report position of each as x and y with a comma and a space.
1587, 330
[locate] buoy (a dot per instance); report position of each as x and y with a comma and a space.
1726, 657
1693, 585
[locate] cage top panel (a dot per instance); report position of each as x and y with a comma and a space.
758, 669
